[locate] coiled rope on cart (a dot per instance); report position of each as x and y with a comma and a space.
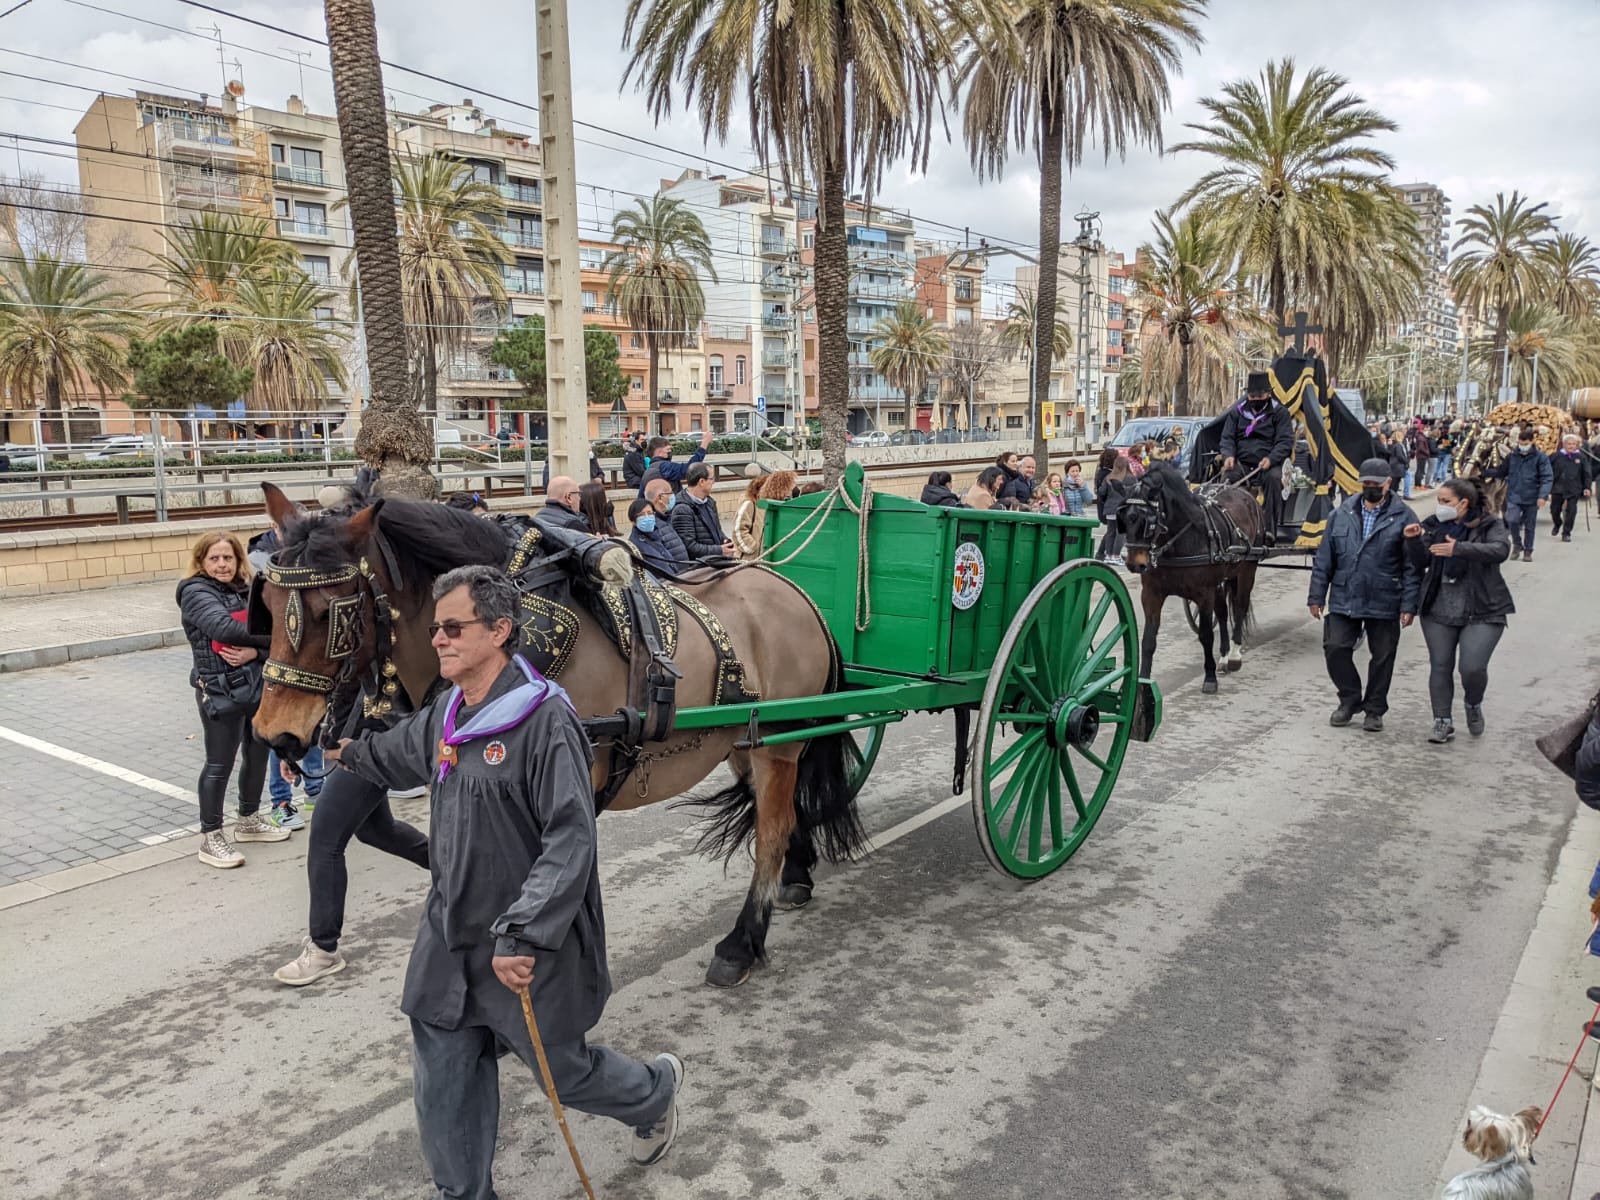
816, 519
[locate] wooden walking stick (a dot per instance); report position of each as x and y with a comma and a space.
550, 1089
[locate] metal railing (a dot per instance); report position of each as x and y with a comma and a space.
778, 321
520, 193
290, 227
308, 176
527, 239
523, 283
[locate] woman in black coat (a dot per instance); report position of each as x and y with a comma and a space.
938, 493
1464, 601
226, 677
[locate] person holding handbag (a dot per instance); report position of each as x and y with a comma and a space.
226, 677
1464, 600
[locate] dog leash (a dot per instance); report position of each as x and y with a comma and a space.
1572, 1062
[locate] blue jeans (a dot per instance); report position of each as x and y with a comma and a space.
279, 789
1522, 522
1441, 467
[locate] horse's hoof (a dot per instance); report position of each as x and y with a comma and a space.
1209, 687
793, 896
1233, 664
725, 974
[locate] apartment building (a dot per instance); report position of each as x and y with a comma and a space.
883, 273
1436, 325
754, 304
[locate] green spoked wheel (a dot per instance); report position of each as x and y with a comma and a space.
861, 751
1056, 719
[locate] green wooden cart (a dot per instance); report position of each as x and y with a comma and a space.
1002, 614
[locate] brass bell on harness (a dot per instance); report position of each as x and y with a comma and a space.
390, 669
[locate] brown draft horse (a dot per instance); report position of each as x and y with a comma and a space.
784, 798
1181, 544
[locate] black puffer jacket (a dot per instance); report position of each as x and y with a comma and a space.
208, 609
1486, 545
940, 496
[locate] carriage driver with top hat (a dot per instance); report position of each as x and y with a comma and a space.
1257, 439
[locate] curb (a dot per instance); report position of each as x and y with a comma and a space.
157, 850
53, 656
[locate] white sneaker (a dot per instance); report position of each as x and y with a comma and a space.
650, 1144
313, 964
408, 793
218, 851
256, 828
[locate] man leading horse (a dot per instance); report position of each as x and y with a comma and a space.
1257, 439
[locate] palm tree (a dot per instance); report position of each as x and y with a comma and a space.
1503, 267
277, 334
909, 349
1565, 352
59, 327
835, 89
653, 276
393, 435
451, 254
1300, 195
207, 259
1573, 265
1184, 282
1020, 326
1052, 74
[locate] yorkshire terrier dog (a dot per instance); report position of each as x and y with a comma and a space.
1505, 1144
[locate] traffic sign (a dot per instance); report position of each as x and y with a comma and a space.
761, 404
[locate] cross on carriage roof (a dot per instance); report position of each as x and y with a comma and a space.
1298, 330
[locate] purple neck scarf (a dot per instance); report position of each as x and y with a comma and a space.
1244, 407
500, 715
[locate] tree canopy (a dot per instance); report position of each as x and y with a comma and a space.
521, 348
183, 368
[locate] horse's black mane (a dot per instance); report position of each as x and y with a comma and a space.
1166, 481
427, 539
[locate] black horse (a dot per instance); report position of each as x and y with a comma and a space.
1195, 546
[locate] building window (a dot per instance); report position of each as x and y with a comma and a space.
963, 288
738, 371
635, 342
319, 267
1113, 337
694, 424
895, 416
1114, 311
590, 259
963, 316
591, 302
808, 239
638, 383
323, 317
714, 373
1013, 422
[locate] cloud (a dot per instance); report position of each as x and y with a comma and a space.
1484, 102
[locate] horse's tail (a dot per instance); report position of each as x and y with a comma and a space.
824, 801
1247, 612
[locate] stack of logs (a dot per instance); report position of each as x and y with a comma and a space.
1547, 423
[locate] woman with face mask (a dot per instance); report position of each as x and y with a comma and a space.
658, 543
1464, 600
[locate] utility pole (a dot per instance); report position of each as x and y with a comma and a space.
1461, 397
568, 390
1087, 398
1535, 397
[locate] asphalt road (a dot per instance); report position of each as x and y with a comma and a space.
1272, 972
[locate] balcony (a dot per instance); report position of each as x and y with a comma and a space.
523, 283
777, 395
773, 281
774, 360
863, 252
880, 293
875, 391
523, 238
668, 396
478, 372
525, 194
203, 187
775, 247
778, 321
862, 325
719, 393
205, 139
304, 231
288, 175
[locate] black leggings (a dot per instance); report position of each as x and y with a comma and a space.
1111, 543
225, 738
1476, 644
348, 806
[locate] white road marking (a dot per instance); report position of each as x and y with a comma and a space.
895, 832
170, 790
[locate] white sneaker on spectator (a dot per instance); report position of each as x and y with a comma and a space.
256, 828
217, 851
650, 1144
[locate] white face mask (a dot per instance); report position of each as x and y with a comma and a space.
1525, 448
1447, 512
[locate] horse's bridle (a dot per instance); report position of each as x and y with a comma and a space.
344, 635
1159, 544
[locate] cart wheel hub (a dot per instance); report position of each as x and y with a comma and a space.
1072, 724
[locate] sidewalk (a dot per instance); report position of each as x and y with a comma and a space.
44, 631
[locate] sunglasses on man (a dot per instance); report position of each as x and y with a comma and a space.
452, 629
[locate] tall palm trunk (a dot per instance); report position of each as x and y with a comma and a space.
393, 435
1183, 376
1502, 333
1044, 301
832, 269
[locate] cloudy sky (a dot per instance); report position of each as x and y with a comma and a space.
1488, 96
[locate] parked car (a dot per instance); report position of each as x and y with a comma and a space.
120, 445
872, 437
17, 457
1155, 429
909, 437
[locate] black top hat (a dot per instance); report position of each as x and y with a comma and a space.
1257, 381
